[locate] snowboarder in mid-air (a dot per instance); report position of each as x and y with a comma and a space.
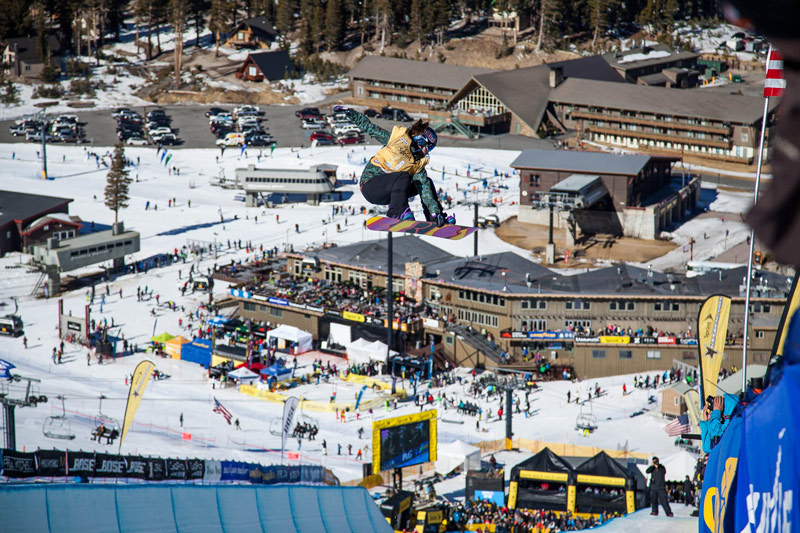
397, 171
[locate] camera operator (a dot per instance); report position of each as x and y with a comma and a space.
658, 487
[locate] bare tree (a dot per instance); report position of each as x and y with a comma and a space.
178, 11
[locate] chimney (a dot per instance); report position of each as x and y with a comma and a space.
556, 77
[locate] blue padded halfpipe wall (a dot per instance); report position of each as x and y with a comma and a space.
98, 508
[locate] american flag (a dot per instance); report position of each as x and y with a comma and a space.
219, 408
774, 85
678, 426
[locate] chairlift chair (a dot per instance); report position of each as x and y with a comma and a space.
586, 421
103, 419
58, 427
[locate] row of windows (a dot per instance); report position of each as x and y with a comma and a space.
284, 180
100, 248
577, 305
534, 304
481, 297
273, 311
477, 318
627, 354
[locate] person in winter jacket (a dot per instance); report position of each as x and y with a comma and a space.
715, 418
658, 487
397, 171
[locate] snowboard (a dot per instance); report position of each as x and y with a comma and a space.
420, 227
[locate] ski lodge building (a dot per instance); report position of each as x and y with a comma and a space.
458, 302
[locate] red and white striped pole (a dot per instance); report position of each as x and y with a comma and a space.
774, 85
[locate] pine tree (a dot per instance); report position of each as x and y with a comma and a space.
117, 183
334, 25
317, 27
284, 16
417, 21
15, 18
177, 12
218, 20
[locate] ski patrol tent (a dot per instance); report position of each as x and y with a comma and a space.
455, 454
173, 346
291, 334
545, 481
243, 375
616, 486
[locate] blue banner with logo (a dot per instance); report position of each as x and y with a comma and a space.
717, 504
768, 484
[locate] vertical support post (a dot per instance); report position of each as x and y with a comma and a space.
475, 224
509, 433
10, 426
44, 146
389, 305
550, 235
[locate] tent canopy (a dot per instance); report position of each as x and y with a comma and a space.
292, 334
243, 374
362, 351
602, 465
164, 337
544, 461
454, 454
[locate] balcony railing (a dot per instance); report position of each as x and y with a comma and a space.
719, 130
725, 145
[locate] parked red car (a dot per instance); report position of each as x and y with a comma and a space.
350, 137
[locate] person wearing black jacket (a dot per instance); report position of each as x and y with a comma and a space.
658, 487
688, 491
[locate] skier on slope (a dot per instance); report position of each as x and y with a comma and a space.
397, 171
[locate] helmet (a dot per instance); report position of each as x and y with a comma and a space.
431, 138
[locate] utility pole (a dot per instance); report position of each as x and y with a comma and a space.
389, 306
475, 224
44, 146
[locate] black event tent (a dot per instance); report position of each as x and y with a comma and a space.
611, 480
535, 483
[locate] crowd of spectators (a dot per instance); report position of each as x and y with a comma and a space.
507, 520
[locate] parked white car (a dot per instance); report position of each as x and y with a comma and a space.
137, 141
161, 130
344, 128
310, 124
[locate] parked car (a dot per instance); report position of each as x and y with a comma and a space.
258, 140
161, 130
308, 111
36, 136
231, 139
325, 141
17, 130
119, 111
312, 124
321, 134
344, 128
165, 138
350, 137
214, 111
136, 141
392, 113
67, 136
372, 113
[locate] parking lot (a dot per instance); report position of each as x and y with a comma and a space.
280, 122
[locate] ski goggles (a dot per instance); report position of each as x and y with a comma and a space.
422, 142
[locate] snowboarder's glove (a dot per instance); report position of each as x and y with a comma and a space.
340, 108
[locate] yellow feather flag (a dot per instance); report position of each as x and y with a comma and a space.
788, 311
138, 384
712, 328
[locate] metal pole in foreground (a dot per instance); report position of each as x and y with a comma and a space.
753, 243
475, 224
390, 303
44, 146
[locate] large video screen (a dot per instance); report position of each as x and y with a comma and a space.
405, 445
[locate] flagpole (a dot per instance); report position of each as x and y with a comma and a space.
753, 238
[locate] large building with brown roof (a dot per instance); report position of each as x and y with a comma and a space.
408, 83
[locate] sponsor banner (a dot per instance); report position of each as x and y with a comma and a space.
295, 474
176, 469
18, 464
136, 467
588, 340
601, 480
315, 309
645, 340
80, 464
513, 335
109, 465
141, 375
234, 471
289, 409
430, 323
297, 306
667, 340
156, 469
195, 468
712, 328
240, 293
259, 297
74, 326
688, 342
51, 463
358, 317
551, 335
545, 476
277, 301
615, 339
376, 321
332, 312
212, 471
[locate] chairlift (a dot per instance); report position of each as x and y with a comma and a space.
105, 420
586, 421
58, 427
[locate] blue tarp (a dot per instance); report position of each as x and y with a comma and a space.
198, 508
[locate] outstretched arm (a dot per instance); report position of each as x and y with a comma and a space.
360, 120
427, 194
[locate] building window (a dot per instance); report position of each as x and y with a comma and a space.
277, 313
621, 305
666, 306
298, 268
534, 325
578, 324
534, 180
483, 319
759, 307
760, 334
626, 354
745, 138
654, 354
598, 354
577, 305
689, 355
534, 304
333, 274
360, 90
249, 306
448, 340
